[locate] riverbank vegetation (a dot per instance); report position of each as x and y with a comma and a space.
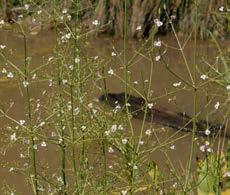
66, 142
212, 16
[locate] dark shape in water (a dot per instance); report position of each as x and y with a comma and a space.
159, 115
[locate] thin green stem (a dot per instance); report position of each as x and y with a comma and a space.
26, 84
194, 118
73, 106
62, 132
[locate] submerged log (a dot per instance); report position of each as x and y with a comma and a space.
159, 115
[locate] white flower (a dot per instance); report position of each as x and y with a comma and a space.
38, 105
110, 150
2, 22
173, 17
59, 179
172, 147
157, 58
107, 133
148, 132
221, 9
11, 169
203, 76
69, 17
22, 122
175, 185
53, 134
43, 144
27, 6
227, 174
138, 27
157, 43
42, 124
35, 147
95, 22
124, 141
68, 35
90, 105
34, 20
150, 105
123, 192
141, 142
135, 82
4, 71
69, 107
113, 128
228, 87
206, 143
65, 37
34, 76
207, 132
209, 150
128, 104
217, 105
158, 22
41, 189
94, 111
64, 81
10, 75
202, 148
39, 12
50, 83
71, 67
76, 111
176, 84
83, 127
113, 54
77, 60
13, 137
111, 72
2, 46
95, 57
64, 11
120, 127
25, 83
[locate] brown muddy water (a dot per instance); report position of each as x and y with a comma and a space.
41, 46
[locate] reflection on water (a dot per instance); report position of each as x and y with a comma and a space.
40, 48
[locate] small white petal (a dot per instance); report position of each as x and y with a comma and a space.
124, 141
157, 58
207, 132
158, 23
111, 72
203, 76
217, 105
157, 43
139, 27
95, 22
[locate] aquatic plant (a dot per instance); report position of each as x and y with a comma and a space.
88, 147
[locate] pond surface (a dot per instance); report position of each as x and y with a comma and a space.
41, 47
